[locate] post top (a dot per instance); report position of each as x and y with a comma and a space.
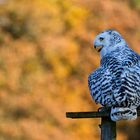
91, 114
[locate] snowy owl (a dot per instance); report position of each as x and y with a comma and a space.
116, 83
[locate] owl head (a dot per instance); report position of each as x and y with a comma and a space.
107, 41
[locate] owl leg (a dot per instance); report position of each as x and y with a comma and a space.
123, 113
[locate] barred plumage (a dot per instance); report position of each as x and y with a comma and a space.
116, 83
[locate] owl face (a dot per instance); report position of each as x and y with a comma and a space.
107, 41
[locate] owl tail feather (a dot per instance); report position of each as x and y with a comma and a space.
123, 113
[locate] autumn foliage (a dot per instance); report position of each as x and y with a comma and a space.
45, 57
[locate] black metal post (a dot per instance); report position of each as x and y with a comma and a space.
108, 129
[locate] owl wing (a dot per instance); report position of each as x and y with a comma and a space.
130, 87
100, 86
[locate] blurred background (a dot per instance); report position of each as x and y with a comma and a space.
46, 56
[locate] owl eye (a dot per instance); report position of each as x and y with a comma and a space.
101, 38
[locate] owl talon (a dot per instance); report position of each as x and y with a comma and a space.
104, 109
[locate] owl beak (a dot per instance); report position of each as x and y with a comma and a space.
98, 48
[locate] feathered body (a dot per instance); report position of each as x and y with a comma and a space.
116, 83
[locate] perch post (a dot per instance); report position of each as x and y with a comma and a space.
108, 127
